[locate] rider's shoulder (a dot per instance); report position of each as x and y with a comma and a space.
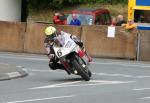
63, 32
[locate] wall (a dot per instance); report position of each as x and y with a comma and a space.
12, 36
144, 47
99, 45
22, 37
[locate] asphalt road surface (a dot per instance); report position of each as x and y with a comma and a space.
113, 81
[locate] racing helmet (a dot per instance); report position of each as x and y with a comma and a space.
50, 32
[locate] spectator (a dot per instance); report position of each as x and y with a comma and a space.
130, 25
75, 20
60, 19
113, 22
120, 20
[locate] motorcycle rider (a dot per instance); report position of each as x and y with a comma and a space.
59, 37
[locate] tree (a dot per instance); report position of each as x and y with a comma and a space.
57, 4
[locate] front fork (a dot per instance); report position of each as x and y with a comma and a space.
66, 66
83, 57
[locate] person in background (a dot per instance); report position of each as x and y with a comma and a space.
120, 20
75, 20
60, 19
130, 25
113, 22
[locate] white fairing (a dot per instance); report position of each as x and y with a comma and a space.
63, 51
68, 45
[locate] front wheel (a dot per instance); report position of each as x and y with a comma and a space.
83, 72
90, 73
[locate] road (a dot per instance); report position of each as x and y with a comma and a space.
113, 81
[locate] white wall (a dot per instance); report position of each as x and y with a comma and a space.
10, 10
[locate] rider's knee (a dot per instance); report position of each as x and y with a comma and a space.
52, 66
55, 66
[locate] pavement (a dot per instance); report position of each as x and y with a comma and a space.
8, 72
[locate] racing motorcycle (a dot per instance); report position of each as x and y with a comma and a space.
74, 60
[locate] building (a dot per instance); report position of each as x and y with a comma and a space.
13, 10
138, 10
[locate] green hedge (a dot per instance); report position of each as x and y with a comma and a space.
57, 4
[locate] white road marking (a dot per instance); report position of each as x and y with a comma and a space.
25, 69
20, 55
107, 74
91, 83
27, 57
145, 98
13, 74
19, 66
142, 89
47, 71
42, 99
125, 64
35, 70
143, 76
3, 63
122, 75
100, 74
55, 85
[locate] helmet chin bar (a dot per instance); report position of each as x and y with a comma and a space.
55, 35
52, 37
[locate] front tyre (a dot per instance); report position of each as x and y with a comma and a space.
90, 73
83, 72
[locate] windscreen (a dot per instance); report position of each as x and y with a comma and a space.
85, 19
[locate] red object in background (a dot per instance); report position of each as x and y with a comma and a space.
101, 13
113, 23
56, 20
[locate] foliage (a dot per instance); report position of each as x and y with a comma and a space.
58, 4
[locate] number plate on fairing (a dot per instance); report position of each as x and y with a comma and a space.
61, 51
66, 49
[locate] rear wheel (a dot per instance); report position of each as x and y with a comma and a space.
83, 71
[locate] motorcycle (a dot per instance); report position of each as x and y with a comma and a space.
74, 60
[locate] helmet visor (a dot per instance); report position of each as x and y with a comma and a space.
51, 37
